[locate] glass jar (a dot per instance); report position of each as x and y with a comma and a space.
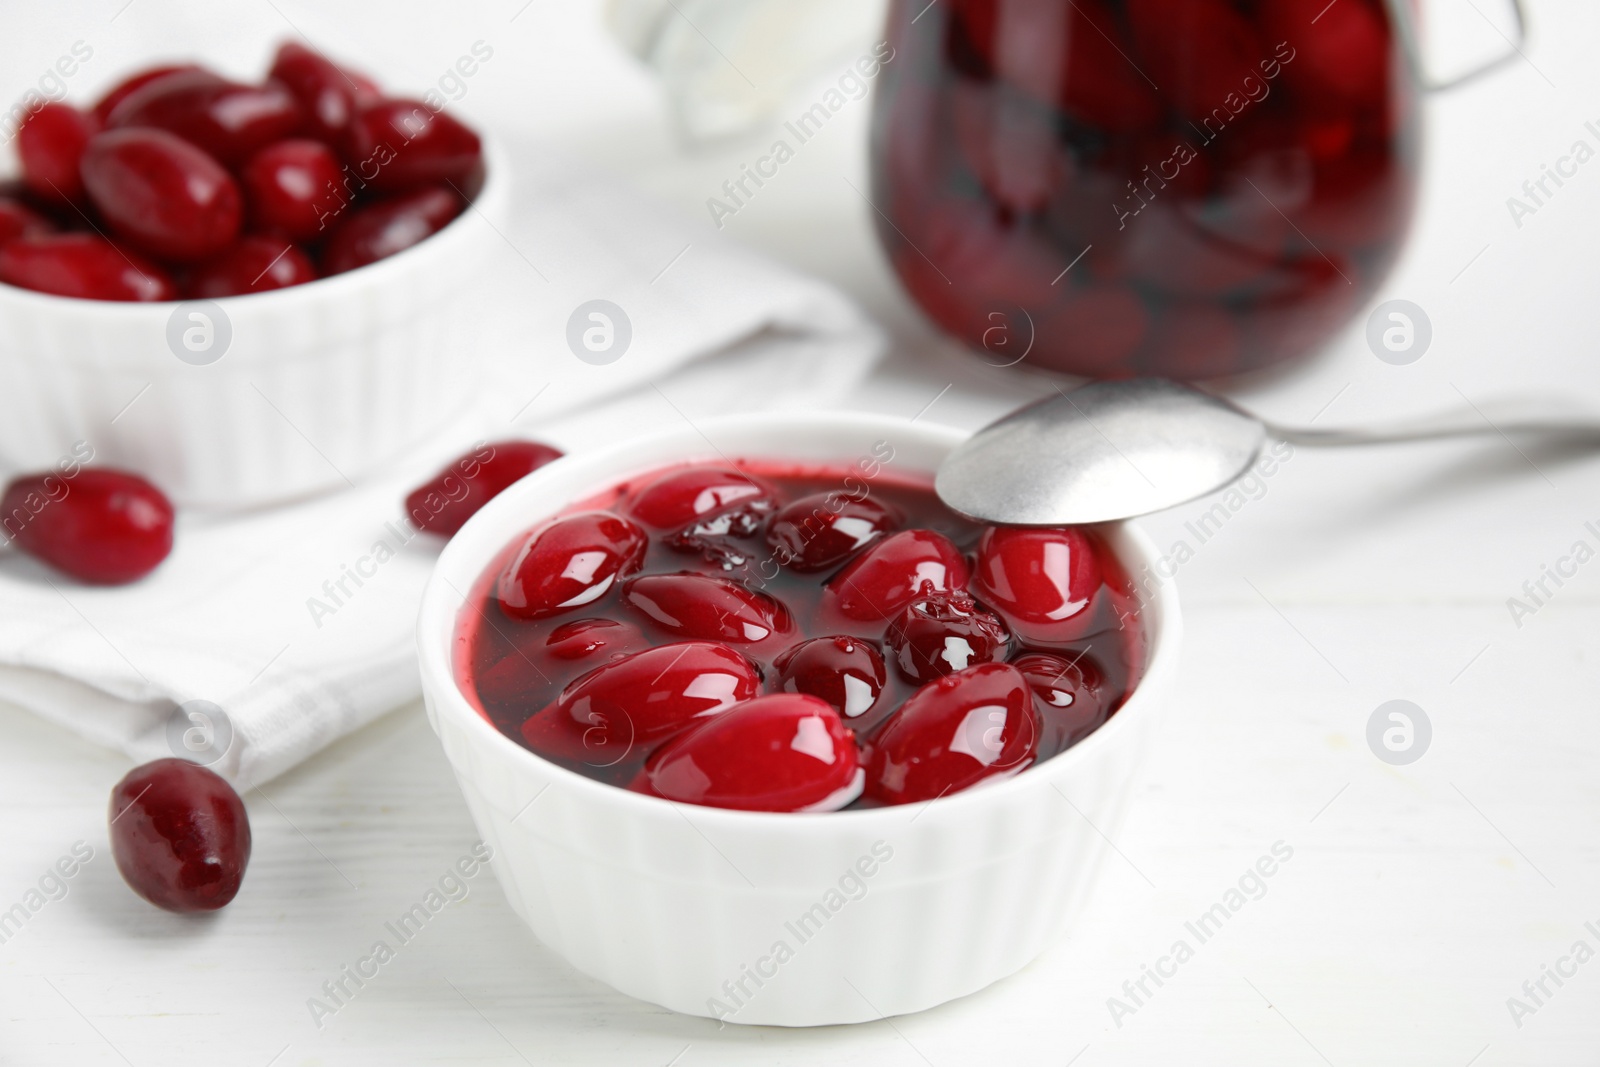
1183, 188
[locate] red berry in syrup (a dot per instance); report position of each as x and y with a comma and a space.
19, 220
1042, 580
252, 265
379, 230
163, 194
408, 145
294, 188
785, 752
180, 835
630, 704
102, 526
82, 265
594, 638
227, 120
845, 672
569, 563
328, 95
700, 497
125, 88
715, 609
527, 666
819, 531
444, 503
50, 143
1069, 693
953, 733
883, 580
942, 633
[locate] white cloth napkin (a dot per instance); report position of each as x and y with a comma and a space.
259, 614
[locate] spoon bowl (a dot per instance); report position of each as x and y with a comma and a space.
1110, 450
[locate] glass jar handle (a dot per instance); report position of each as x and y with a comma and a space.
1400, 12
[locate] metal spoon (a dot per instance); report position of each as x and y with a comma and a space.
1114, 450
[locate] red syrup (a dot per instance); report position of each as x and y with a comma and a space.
623, 687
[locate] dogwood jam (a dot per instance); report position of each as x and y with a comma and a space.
777, 637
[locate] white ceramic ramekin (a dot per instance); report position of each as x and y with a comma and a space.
795, 920
319, 383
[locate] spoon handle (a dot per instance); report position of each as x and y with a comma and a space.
1467, 423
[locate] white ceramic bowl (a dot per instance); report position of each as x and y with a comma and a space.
319, 383
826, 918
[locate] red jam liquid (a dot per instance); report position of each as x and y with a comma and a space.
1109, 188
492, 643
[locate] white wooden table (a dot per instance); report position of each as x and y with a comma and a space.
1418, 898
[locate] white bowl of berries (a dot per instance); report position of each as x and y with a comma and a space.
243, 292
760, 731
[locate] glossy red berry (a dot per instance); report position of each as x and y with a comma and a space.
942, 633
823, 530
403, 144
883, 580
845, 672
713, 500
50, 143
714, 609
446, 501
19, 220
1069, 693
125, 88
161, 193
82, 265
180, 835
99, 525
525, 669
377, 231
253, 264
569, 563
294, 189
785, 752
228, 121
953, 733
626, 706
593, 639
1042, 580
328, 94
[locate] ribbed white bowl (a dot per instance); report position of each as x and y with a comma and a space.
320, 383
686, 906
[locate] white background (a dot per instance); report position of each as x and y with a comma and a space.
1419, 898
